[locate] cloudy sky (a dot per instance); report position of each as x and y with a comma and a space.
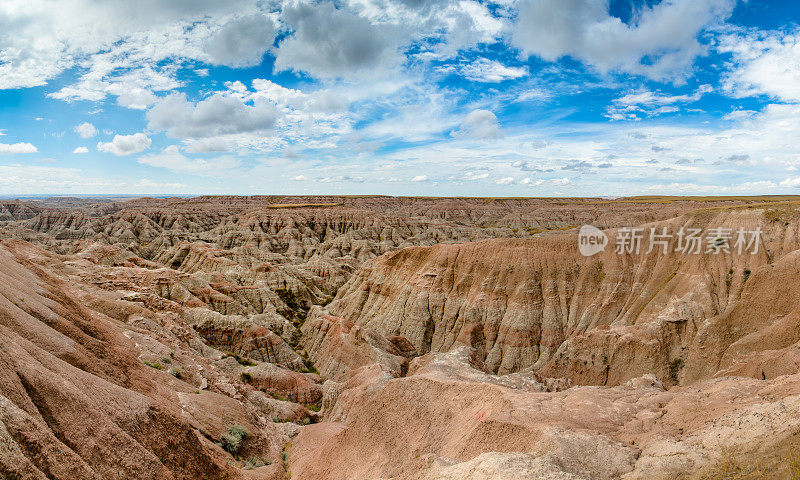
400, 97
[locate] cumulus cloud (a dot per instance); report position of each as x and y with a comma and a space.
242, 41
321, 101
504, 181
86, 130
9, 149
172, 159
479, 124
217, 115
42, 39
792, 182
81, 150
766, 63
330, 42
664, 34
530, 182
133, 89
125, 144
420, 178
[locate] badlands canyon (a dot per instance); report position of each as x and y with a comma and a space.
395, 338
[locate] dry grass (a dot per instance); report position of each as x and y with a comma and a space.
732, 466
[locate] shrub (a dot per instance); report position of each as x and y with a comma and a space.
176, 372
254, 462
246, 377
245, 362
233, 438
156, 365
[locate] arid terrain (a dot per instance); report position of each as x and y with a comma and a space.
395, 338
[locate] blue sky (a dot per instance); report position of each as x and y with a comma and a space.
400, 97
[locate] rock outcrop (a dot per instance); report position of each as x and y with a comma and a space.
537, 304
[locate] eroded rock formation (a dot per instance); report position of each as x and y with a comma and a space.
380, 337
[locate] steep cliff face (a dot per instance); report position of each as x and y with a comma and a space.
538, 304
94, 386
61, 361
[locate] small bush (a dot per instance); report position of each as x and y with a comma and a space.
246, 377
176, 372
314, 407
253, 462
298, 309
309, 365
156, 365
245, 362
233, 438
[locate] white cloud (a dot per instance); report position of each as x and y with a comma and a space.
133, 89
300, 178
321, 101
479, 124
81, 150
148, 184
242, 41
125, 144
41, 39
528, 181
739, 114
217, 115
651, 103
649, 98
665, 34
342, 178
172, 159
475, 175
790, 182
39, 179
484, 70
14, 148
86, 130
420, 178
765, 64
505, 181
